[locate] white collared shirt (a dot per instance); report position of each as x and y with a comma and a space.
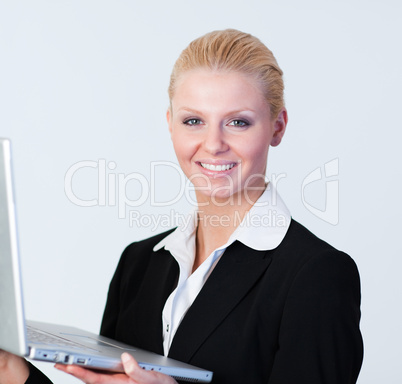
263, 228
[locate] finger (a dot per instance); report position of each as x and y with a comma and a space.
91, 377
131, 367
141, 376
78, 372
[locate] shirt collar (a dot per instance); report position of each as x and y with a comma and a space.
181, 242
266, 223
263, 228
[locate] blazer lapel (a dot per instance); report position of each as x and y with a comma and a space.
234, 275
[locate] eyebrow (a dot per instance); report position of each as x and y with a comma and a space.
191, 110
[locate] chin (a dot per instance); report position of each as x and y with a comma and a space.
220, 196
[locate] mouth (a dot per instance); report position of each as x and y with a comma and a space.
217, 167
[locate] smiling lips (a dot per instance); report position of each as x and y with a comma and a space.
217, 167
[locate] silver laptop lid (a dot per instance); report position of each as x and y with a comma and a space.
12, 330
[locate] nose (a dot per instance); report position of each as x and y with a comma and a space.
214, 141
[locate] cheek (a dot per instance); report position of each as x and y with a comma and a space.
254, 151
182, 147
259, 147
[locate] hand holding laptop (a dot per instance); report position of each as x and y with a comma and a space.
132, 372
14, 369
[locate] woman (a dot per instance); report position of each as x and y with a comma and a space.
243, 290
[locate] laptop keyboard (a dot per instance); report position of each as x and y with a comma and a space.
35, 336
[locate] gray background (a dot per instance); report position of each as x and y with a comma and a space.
86, 80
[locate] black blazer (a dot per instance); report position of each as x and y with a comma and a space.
285, 316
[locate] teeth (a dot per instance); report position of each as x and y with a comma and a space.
218, 168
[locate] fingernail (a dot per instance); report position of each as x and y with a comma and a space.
125, 357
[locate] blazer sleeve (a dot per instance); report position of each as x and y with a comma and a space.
319, 338
112, 308
36, 376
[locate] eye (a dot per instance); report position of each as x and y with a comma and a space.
192, 121
238, 123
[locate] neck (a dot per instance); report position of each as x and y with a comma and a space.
217, 220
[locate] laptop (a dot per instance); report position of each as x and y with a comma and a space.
57, 343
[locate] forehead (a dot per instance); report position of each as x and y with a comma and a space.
214, 88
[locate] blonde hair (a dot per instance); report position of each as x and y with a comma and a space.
233, 50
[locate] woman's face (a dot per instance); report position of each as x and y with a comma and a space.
221, 128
